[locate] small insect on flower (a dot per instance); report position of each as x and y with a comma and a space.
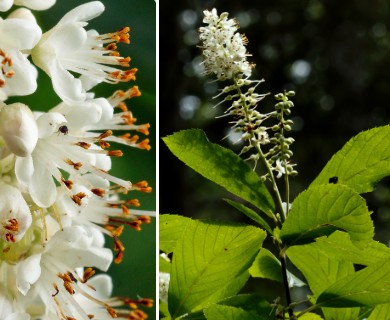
63, 129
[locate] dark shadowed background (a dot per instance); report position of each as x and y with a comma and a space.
334, 54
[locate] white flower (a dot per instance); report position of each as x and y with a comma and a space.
6, 308
279, 168
18, 76
164, 279
32, 4
35, 4
15, 216
18, 128
224, 50
5, 5
103, 211
57, 148
51, 274
68, 47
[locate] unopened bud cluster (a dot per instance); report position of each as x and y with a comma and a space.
225, 56
280, 154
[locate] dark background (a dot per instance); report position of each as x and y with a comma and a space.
334, 54
136, 275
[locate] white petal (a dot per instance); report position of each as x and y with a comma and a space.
42, 187
18, 316
36, 4
24, 81
81, 116
76, 245
5, 5
67, 38
84, 12
19, 34
103, 285
5, 304
22, 13
24, 169
29, 271
18, 128
49, 123
68, 88
103, 162
13, 206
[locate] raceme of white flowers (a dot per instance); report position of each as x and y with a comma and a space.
225, 57
57, 197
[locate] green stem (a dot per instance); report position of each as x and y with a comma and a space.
279, 202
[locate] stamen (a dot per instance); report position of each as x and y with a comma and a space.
88, 273
98, 191
142, 186
115, 153
83, 145
12, 225
10, 237
78, 197
76, 165
67, 183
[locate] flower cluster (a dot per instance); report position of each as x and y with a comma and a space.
223, 48
58, 199
225, 57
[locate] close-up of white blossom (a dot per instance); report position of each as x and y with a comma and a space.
59, 200
224, 50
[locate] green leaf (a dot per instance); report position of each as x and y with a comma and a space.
250, 214
170, 229
220, 165
320, 272
380, 312
218, 312
250, 302
210, 263
267, 266
363, 161
339, 246
163, 310
321, 210
164, 265
367, 287
310, 316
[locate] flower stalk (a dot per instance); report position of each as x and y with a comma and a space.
225, 57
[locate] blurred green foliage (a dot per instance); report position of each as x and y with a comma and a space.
135, 276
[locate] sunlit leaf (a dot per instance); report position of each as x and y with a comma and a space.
321, 210
250, 214
218, 312
210, 263
320, 272
362, 162
221, 166
339, 246
370, 286
170, 229
381, 311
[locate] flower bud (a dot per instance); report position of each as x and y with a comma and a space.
18, 129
